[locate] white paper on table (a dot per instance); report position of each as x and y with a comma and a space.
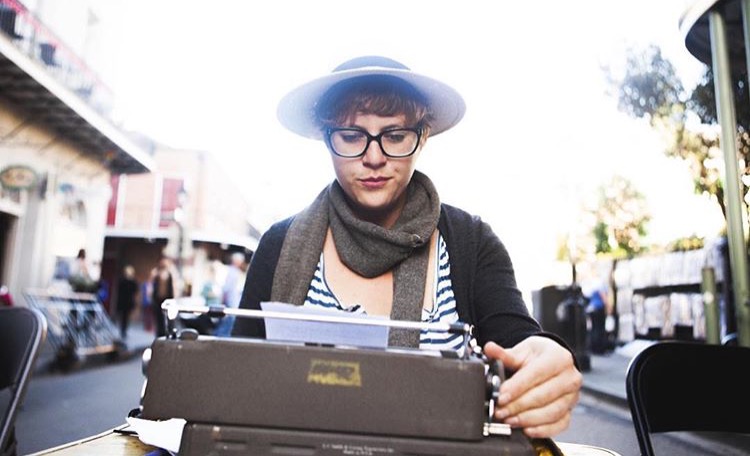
322, 332
164, 434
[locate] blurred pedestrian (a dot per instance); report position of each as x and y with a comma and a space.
127, 291
211, 291
147, 287
80, 267
597, 310
5, 298
232, 292
80, 278
163, 289
211, 294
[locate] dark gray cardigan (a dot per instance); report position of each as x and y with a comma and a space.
481, 272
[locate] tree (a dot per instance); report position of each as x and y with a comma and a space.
650, 89
621, 216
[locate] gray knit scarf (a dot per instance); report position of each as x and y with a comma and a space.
366, 248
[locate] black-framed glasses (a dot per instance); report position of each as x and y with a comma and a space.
353, 142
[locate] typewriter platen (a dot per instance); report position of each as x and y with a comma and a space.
250, 396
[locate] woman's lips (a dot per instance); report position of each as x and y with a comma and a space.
374, 182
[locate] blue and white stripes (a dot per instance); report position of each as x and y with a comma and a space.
443, 308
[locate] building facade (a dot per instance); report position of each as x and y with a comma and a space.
187, 210
72, 179
58, 150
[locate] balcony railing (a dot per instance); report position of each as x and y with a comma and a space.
42, 45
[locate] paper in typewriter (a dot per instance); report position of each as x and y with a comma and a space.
322, 332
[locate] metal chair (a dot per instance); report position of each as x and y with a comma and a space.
22, 331
688, 386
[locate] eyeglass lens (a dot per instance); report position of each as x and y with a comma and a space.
354, 142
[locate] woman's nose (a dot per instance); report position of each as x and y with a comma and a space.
374, 155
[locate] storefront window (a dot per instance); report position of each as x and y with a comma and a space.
170, 200
72, 207
10, 195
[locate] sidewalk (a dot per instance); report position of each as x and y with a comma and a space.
607, 375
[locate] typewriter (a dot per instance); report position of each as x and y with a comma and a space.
251, 396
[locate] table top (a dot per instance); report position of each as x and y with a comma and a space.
108, 443
116, 443
577, 449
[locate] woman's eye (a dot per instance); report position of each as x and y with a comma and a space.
351, 137
394, 137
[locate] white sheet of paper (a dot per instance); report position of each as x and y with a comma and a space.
320, 332
165, 434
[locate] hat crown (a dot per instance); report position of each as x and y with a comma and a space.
370, 61
297, 110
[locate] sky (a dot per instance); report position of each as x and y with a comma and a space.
540, 133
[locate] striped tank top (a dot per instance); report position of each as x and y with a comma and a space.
443, 302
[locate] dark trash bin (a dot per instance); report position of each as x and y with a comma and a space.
562, 311
571, 313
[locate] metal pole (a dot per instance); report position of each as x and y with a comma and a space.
710, 306
735, 213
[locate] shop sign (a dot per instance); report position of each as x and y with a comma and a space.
17, 177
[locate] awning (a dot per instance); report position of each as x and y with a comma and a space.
28, 84
248, 242
695, 30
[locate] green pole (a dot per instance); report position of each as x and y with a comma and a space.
710, 306
735, 212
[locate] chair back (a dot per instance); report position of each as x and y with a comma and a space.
688, 386
22, 331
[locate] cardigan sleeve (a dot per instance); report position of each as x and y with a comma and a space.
502, 315
484, 281
260, 279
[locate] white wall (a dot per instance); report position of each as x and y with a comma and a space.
45, 227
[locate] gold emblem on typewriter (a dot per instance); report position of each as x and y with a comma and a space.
334, 373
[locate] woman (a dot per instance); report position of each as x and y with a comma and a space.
80, 278
378, 240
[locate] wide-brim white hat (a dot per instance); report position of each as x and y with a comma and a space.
296, 110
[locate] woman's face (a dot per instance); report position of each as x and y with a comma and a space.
374, 183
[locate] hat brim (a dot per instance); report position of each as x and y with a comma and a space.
296, 111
